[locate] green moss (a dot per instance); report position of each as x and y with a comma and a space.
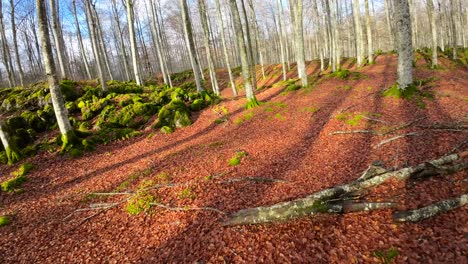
197, 105
341, 74
355, 120
252, 103
3, 157
163, 177
292, 87
19, 177
412, 92
342, 116
68, 140
387, 256
69, 90
236, 160
280, 117
13, 155
4, 220
166, 130
187, 193
140, 203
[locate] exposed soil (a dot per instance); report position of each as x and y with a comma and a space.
287, 138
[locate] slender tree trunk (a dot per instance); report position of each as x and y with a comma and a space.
102, 44
80, 41
389, 24
133, 48
206, 39
432, 22
94, 42
123, 52
6, 51
191, 45
453, 15
405, 47
158, 46
281, 40
15, 42
370, 46
58, 102
297, 12
56, 33
250, 51
249, 92
225, 51
12, 152
358, 30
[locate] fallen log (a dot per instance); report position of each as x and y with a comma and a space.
312, 203
430, 210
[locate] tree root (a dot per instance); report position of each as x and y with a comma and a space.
430, 210
315, 202
383, 142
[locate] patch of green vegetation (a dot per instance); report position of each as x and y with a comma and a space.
309, 109
133, 177
4, 220
279, 116
345, 87
248, 116
238, 121
252, 103
223, 114
236, 160
413, 92
19, 177
342, 116
141, 202
187, 193
342, 74
163, 177
350, 119
387, 256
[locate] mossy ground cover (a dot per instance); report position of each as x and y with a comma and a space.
96, 117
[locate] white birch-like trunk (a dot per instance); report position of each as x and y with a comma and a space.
58, 102
432, 22
133, 45
242, 51
55, 23
370, 46
191, 46
15, 43
80, 41
405, 47
281, 39
358, 31
207, 43
226, 55
297, 13
93, 36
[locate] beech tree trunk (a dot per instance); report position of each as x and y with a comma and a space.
405, 47
55, 23
225, 51
11, 150
15, 42
191, 45
94, 42
432, 22
158, 46
358, 32
133, 45
370, 46
243, 54
6, 51
297, 12
207, 43
80, 41
58, 102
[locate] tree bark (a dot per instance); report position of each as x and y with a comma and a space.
370, 46
80, 41
358, 32
405, 47
58, 102
15, 43
58, 45
191, 45
133, 45
297, 13
433, 26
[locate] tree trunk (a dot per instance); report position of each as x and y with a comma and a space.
226, 55
94, 42
191, 45
6, 51
297, 12
15, 42
250, 52
405, 47
80, 41
432, 22
358, 31
133, 45
207, 42
158, 46
58, 103
11, 150
251, 100
58, 45
389, 24
123, 52
370, 46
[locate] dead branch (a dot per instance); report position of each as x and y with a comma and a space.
376, 168
430, 210
254, 179
308, 205
170, 208
375, 119
355, 132
383, 142
403, 126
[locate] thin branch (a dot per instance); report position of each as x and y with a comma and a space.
254, 179
383, 142
355, 132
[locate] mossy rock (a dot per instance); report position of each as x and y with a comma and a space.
124, 87
292, 87
71, 107
4, 220
16, 122
182, 119
166, 130
3, 157
34, 121
69, 90
197, 104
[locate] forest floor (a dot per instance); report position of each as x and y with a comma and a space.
288, 138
